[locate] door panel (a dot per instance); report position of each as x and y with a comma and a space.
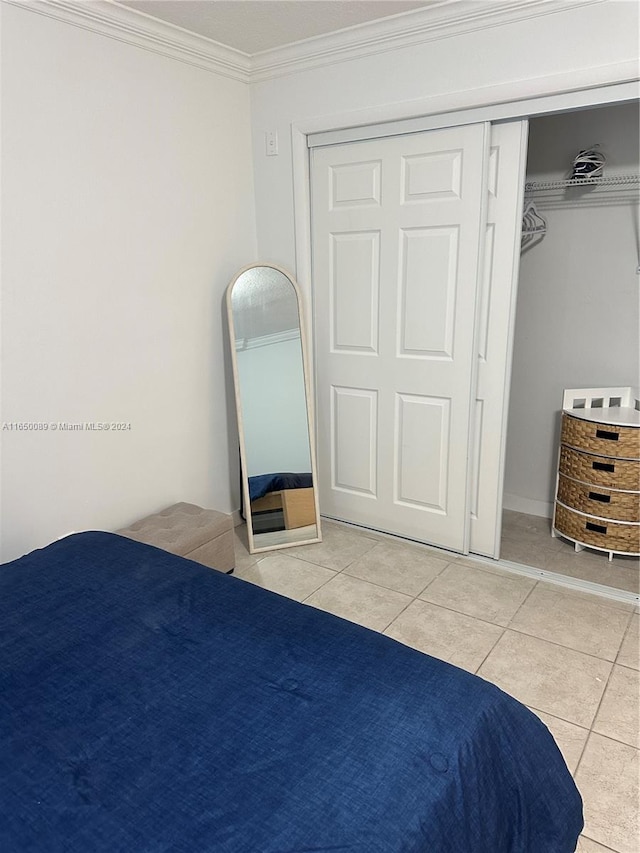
427, 314
421, 451
507, 163
355, 283
398, 227
355, 184
430, 176
354, 443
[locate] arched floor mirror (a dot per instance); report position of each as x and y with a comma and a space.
277, 453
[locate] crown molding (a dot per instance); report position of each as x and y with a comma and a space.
283, 337
123, 24
443, 20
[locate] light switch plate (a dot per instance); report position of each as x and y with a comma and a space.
271, 142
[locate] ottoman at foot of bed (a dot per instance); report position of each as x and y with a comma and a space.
203, 535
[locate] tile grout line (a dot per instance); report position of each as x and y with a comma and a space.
591, 730
578, 726
506, 628
484, 660
604, 846
562, 719
337, 571
595, 716
397, 616
627, 632
323, 584
522, 604
386, 588
555, 643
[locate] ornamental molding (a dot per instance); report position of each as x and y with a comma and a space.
118, 22
442, 20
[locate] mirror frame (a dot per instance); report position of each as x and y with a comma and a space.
253, 549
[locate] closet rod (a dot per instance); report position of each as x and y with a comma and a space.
613, 180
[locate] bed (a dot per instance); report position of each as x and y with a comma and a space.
151, 704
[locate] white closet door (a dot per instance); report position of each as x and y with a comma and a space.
507, 165
398, 231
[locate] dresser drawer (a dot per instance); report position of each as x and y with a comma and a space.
599, 532
600, 471
598, 501
603, 439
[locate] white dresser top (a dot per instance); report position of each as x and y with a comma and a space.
615, 415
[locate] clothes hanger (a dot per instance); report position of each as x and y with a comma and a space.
534, 226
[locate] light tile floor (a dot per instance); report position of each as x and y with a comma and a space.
572, 657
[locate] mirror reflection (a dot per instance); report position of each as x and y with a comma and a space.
272, 396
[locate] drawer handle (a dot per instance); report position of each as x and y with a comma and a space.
610, 436
596, 496
596, 528
603, 466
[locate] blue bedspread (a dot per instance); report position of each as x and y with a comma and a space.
150, 705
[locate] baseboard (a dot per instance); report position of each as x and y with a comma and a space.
527, 505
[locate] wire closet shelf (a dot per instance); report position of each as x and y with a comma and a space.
534, 225
609, 181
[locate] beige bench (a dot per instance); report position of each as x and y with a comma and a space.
203, 535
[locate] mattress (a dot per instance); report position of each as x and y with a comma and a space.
150, 704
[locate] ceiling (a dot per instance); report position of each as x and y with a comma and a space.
253, 26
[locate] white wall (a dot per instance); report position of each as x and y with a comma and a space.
578, 297
127, 207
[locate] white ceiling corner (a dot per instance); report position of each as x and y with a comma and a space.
256, 26
183, 29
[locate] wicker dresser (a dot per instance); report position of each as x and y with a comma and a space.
597, 501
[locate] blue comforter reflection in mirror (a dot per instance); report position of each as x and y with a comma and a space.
262, 484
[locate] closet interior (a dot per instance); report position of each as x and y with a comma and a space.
577, 321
